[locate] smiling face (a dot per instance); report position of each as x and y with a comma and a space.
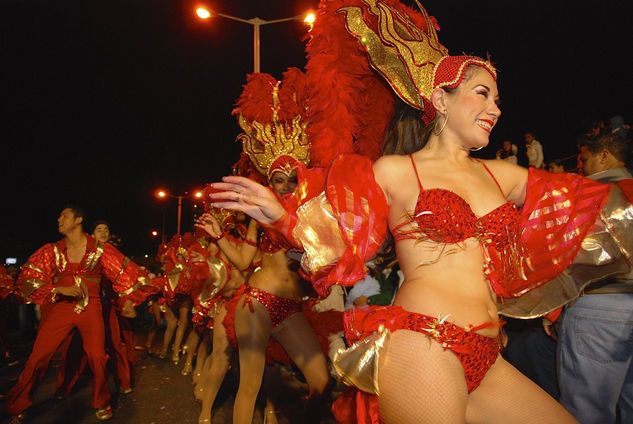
473, 108
101, 233
67, 221
282, 183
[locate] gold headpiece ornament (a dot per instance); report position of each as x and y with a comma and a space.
273, 130
401, 52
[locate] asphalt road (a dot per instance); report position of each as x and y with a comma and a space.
161, 395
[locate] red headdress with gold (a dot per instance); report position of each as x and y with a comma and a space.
272, 115
352, 43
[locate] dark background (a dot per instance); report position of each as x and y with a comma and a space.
107, 100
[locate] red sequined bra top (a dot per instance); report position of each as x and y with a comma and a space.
444, 217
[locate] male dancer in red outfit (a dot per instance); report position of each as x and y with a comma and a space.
117, 312
64, 278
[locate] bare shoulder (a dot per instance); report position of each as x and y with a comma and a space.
388, 170
391, 167
511, 177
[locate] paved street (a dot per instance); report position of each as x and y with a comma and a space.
161, 396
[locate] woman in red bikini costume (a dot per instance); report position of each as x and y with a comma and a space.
461, 240
269, 305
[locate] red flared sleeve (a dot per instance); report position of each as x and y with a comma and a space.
7, 285
128, 279
559, 211
35, 281
361, 208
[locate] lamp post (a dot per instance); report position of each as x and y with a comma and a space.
257, 23
161, 194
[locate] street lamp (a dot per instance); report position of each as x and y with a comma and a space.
204, 13
162, 194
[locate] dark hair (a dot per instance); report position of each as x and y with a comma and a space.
78, 212
406, 132
615, 144
99, 222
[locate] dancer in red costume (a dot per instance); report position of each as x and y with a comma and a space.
467, 250
178, 283
269, 305
64, 278
117, 312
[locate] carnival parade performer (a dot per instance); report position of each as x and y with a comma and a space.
177, 285
64, 279
218, 363
271, 115
117, 314
471, 236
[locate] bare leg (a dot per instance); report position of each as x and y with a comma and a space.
252, 330
201, 356
189, 348
301, 344
172, 322
153, 329
272, 378
183, 322
213, 377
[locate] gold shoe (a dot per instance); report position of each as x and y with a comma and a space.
186, 370
125, 391
104, 413
270, 416
18, 419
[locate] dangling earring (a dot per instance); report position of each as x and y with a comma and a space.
441, 129
477, 149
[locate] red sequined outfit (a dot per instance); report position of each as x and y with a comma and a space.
279, 309
445, 217
272, 242
477, 353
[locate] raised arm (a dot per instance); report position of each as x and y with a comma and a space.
241, 256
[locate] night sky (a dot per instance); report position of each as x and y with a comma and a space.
105, 101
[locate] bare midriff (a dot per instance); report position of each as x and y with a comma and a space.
275, 277
447, 281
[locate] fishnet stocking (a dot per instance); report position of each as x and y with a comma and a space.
420, 382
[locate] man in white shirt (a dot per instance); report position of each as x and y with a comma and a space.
534, 150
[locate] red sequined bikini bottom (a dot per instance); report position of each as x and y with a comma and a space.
279, 308
477, 353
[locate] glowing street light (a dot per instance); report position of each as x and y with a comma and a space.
309, 20
204, 13
162, 194
154, 233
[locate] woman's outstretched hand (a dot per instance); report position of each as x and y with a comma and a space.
245, 195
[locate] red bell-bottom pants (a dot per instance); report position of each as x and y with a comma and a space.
59, 320
74, 360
